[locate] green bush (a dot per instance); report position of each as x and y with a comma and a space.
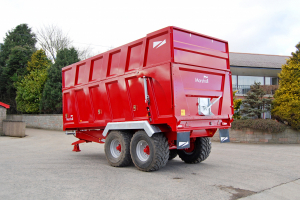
236, 105
286, 105
268, 125
255, 103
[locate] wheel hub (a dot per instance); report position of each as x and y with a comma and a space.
115, 148
143, 150
119, 147
147, 150
192, 147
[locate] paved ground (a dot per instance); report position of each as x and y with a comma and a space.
42, 166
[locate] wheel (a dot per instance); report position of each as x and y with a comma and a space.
149, 154
172, 154
117, 148
198, 151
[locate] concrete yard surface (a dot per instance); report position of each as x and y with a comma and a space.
42, 165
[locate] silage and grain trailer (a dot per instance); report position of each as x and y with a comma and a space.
150, 100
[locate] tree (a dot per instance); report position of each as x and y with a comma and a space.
84, 53
20, 36
30, 88
255, 104
52, 94
15, 52
52, 39
286, 104
236, 105
295, 59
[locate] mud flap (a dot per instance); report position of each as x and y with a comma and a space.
224, 135
183, 140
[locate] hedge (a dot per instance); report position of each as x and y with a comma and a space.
268, 125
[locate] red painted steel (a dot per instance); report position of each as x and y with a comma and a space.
192, 147
181, 66
4, 105
119, 147
76, 148
147, 150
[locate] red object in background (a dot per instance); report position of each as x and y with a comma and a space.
182, 70
4, 105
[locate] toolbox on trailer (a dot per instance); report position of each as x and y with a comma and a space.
170, 90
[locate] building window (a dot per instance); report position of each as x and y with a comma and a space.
268, 81
243, 83
234, 82
271, 81
249, 80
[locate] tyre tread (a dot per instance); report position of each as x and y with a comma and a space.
201, 152
125, 160
161, 154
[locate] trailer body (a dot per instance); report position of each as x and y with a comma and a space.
172, 81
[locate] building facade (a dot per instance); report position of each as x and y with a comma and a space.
249, 68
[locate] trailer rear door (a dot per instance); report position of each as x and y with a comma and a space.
201, 76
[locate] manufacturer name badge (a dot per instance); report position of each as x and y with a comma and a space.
204, 80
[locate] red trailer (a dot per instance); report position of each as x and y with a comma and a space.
149, 100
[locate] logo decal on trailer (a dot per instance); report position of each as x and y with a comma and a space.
158, 44
204, 80
224, 138
182, 144
70, 118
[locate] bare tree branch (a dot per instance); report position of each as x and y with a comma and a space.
52, 39
84, 53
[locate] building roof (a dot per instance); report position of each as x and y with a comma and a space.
4, 105
257, 60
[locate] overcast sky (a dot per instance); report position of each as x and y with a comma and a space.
250, 26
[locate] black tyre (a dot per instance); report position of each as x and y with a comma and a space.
149, 154
172, 154
117, 148
198, 151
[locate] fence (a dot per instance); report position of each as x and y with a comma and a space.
44, 121
289, 136
243, 89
